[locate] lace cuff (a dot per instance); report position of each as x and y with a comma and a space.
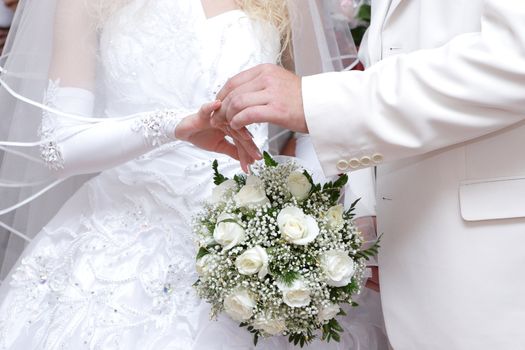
158, 127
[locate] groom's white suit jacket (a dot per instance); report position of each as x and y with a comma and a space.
446, 127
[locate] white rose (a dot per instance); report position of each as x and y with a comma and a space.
295, 295
335, 216
239, 305
252, 194
204, 266
296, 227
298, 185
220, 193
270, 326
228, 234
252, 261
338, 267
327, 312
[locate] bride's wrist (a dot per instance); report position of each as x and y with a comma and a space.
181, 129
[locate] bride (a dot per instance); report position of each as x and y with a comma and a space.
114, 267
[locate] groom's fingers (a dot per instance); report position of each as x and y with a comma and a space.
255, 114
236, 104
240, 79
246, 95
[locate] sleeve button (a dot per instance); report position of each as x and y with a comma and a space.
366, 161
354, 163
342, 165
377, 158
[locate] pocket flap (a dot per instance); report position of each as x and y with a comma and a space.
502, 198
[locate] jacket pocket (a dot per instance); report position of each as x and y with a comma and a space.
491, 199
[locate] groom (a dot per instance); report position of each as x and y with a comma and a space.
441, 112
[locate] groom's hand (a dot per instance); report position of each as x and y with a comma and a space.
265, 93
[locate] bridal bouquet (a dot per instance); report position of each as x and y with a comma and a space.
278, 253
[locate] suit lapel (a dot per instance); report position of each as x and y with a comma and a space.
391, 9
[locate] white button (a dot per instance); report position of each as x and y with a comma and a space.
377, 158
354, 163
365, 160
342, 165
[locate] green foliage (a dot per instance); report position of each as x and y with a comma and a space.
332, 330
289, 277
268, 160
371, 251
218, 178
315, 187
364, 13
349, 214
363, 17
333, 189
202, 252
255, 332
210, 225
240, 179
301, 339
351, 288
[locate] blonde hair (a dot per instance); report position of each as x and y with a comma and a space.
274, 12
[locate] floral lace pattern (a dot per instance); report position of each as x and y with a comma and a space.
158, 127
86, 277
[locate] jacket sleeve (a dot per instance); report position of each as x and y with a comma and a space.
415, 103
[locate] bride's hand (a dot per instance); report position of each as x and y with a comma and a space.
198, 130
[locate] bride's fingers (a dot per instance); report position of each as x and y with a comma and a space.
227, 148
206, 111
242, 134
248, 145
244, 157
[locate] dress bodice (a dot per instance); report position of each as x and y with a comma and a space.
167, 54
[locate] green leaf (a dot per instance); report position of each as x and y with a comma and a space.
336, 336
349, 213
268, 160
240, 179
364, 13
341, 181
335, 325
289, 277
202, 252
218, 178
309, 177
371, 251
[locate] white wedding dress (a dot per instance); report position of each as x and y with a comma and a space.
114, 268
